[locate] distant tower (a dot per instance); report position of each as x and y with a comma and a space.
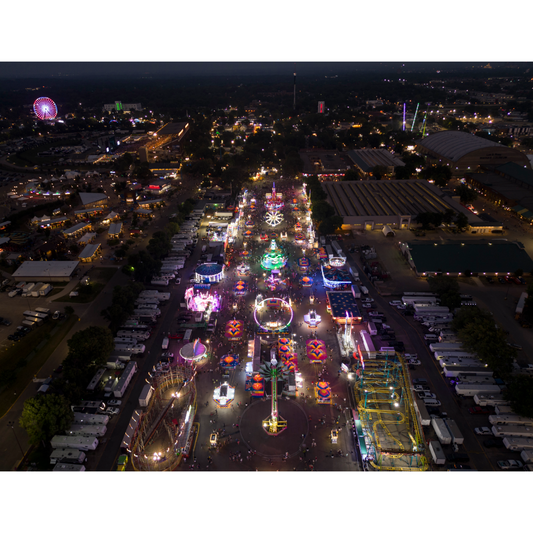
403, 123
294, 102
321, 107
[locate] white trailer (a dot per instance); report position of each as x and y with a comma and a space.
114, 363
159, 282
89, 419
510, 419
76, 442
88, 430
146, 394
485, 398
437, 453
440, 355
446, 347
124, 340
456, 361
518, 444
67, 455
149, 301
130, 348
67, 467
36, 289
141, 335
508, 430
421, 411
475, 380
453, 428
431, 309
45, 289
441, 430
125, 379
527, 456
154, 294
456, 371
96, 379
422, 300
503, 410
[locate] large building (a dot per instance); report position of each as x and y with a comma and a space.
494, 258
508, 185
50, 271
324, 162
396, 203
119, 106
366, 160
464, 152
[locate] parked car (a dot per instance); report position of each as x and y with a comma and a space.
417, 381
482, 431
493, 443
478, 411
413, 362
395, 302
112, 411
427, 395
510, 464
56, 315
366, 306
421, 388
114, 403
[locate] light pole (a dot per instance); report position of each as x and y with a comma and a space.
11, 425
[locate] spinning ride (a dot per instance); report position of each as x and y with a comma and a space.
271, 320
273, 258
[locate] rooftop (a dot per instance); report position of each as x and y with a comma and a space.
46, 268
477, 256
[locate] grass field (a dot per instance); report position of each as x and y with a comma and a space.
20, 362
98, 278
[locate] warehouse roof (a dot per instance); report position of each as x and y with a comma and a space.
90, 197
366, 160
46, 268
478, 256
455, 144
89, 251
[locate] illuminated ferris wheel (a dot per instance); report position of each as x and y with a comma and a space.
45, 108
273, 218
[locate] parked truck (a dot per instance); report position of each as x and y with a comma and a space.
90, 419
154, 294
456, 371
527, 456
372, 328
509, 430
518, 444
471, 389
76, 442
146, 394
140, 335
441, 430
67, 455
88, 430
453, 428
437, 453
513, 419
485, 398
520, 305
45, 289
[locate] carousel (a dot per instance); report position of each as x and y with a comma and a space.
273, 258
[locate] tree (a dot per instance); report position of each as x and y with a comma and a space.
466, 194
520, 393
461, 221
447, 289
440, 174
44, 416
90, 347
402, 172
352, 174
322, 210
330, 225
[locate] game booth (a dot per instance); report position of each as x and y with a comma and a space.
229, 361
264, 236
248, 234
257, 387
316, 351
303, 264
323, 392
249, 224
234, 330
306, 281
299, 239
240, 288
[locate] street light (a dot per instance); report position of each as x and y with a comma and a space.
11, 425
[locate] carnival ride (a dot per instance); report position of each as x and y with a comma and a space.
312, 319
273, 258
385, 407
306, 281
193, 351
240, 288
272, 315
45, 108
243, 269
224, 395
274, 218
273, 371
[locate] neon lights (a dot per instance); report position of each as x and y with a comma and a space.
273, 325
45, 108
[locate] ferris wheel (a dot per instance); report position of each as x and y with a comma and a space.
273, 218
45, 108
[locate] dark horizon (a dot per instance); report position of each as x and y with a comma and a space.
47, 70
